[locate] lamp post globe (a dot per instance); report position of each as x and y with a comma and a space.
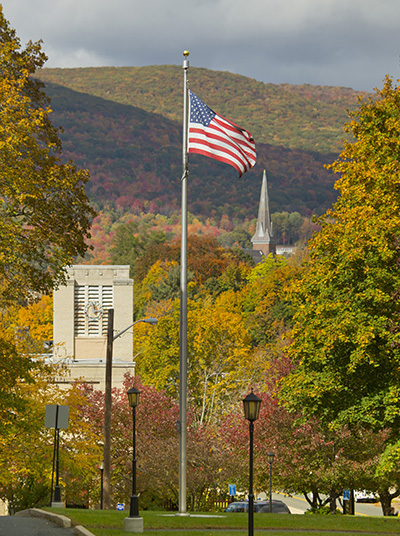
133, 397
251, 406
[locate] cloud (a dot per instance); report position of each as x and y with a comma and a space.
323, 42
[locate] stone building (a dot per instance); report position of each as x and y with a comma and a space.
81, 318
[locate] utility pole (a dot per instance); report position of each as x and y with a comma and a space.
108, 401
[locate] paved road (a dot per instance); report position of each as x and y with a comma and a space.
30, 526
298, 505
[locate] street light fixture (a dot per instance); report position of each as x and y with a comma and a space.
251, 406
134, 523
133, 397
152, 321
270, 458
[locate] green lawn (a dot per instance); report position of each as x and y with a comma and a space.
111, 523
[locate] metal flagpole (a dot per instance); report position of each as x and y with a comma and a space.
183, 311
107, 413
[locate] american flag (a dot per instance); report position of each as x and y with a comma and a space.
214, 136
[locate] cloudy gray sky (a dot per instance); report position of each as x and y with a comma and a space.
351, 43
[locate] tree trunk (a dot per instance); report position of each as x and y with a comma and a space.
315, 501
386, 502
332, 501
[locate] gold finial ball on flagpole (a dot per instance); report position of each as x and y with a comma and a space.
186, 53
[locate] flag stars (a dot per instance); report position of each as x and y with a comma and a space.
199, 111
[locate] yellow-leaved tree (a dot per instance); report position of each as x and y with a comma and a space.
45, 217
219, 355
27, 447
45, 214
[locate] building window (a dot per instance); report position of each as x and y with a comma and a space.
91, 305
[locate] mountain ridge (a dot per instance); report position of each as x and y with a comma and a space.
125, 125
265, 108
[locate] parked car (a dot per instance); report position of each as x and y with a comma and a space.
365, 497
237, 506
262, 507
278, 507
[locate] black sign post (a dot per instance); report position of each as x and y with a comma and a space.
56, 417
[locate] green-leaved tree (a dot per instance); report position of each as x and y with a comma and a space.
346, 338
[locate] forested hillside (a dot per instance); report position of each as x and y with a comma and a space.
296, 117
125, 126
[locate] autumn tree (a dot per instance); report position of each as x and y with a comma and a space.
237, 237
219, 355
45, 218
311, 458
287, 227
266, 307
387, 474
31, 322
14, 369
319, 462
157, 447
137, 248
45, 213
27, 447
236, 320
206, 258
346, 336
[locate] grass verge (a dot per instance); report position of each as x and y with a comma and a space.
111, 523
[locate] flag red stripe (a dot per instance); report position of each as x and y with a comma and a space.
214, 138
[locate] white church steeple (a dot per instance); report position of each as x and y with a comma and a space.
263, 237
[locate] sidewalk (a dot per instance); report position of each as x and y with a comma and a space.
59, 520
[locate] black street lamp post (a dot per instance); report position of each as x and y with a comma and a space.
270, 458
251, 406
101, 467
133, 397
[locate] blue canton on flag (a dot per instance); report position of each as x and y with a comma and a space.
200, 112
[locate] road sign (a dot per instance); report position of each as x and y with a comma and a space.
56, 416
232, 490
120, 506
346, 495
